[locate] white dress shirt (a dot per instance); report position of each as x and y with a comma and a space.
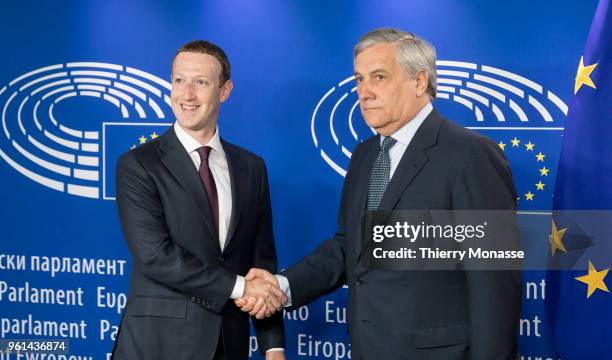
217, 162
403, 136
220, 171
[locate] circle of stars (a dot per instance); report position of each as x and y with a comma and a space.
540, 157
142, 139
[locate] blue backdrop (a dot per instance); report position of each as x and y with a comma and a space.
82, 82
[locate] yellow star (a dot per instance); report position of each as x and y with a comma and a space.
540, 186
540, 156
154, 136
529, 196
529, 146
544, 171
583, 75
556, 239
502, 145
594, 279
515, 142
142, 139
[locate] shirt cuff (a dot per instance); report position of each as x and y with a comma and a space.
275, 349
238, 288
283, 283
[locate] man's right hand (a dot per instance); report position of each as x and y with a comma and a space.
262, 295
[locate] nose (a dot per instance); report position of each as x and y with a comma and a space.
189, 92
364, 91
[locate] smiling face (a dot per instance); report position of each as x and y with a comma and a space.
197, 93
388, 97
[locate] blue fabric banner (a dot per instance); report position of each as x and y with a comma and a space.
579, 304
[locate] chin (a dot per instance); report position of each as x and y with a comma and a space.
370, 121
187, 125
376, 124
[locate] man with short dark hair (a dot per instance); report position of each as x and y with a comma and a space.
418, 161
195, 211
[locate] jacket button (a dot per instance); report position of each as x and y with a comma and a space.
220, 259
194, 299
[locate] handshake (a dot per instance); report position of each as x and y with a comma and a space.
262, 295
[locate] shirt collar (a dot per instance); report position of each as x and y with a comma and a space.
405, 134
190, 144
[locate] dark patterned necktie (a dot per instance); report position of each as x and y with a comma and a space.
209, 184
380, 174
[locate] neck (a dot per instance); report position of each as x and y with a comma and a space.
395, 126
203, 135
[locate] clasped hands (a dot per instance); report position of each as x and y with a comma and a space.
262, 295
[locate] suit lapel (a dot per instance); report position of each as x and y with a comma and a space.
411, 163
362, 173
237, 171
180, 165
365, 168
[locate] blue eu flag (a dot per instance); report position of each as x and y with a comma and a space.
119, 138
578, 302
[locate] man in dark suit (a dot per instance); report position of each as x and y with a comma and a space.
195, 211
418, 161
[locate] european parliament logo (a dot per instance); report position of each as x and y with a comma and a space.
65, 125
519, 114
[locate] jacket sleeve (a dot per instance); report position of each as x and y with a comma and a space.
484, 182
270, 332
324, 270
154, 253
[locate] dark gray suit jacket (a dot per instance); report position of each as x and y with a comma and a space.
178, 301
420, 314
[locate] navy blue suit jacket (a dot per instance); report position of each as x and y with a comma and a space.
178, 302
420, 314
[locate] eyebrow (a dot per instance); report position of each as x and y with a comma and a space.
378, 71
373, 72
193, 77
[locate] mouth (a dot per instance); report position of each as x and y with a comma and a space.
186, 107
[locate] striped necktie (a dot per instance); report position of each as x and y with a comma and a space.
380, 174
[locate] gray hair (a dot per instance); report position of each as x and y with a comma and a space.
413, 53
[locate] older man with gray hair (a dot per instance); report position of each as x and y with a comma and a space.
417, 161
